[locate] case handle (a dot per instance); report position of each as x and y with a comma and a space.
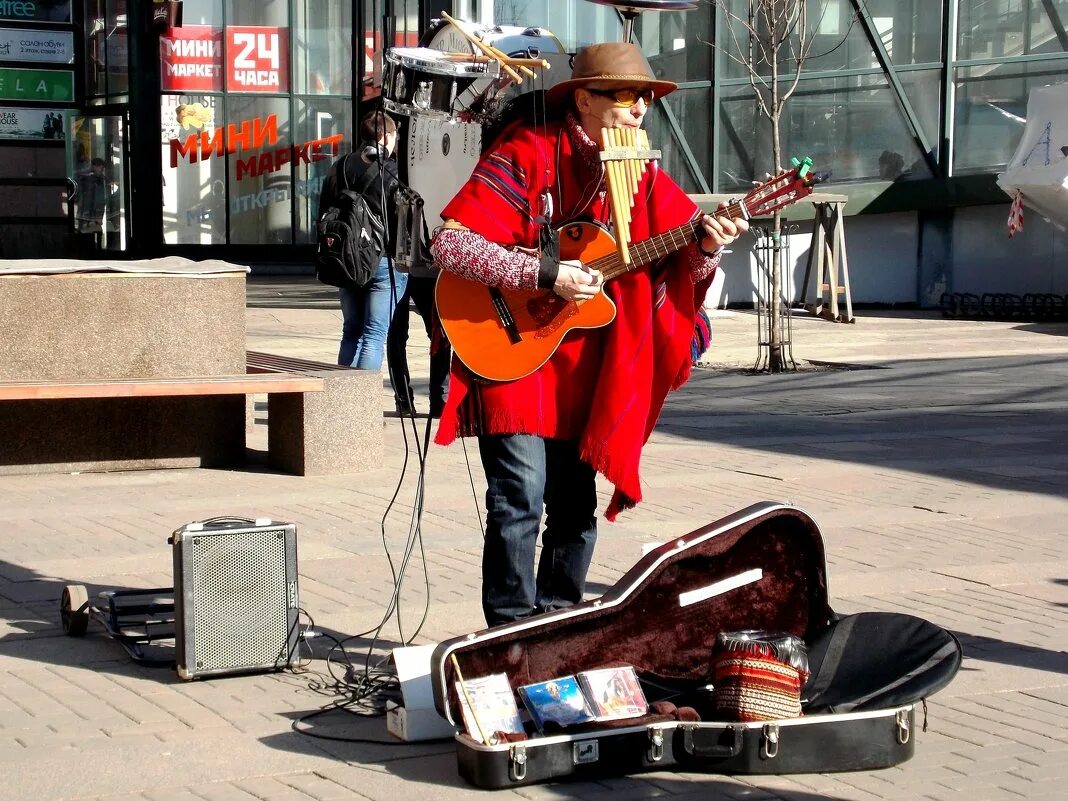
704, 743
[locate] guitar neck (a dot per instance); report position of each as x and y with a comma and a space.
649, 250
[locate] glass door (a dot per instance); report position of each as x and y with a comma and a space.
99, 180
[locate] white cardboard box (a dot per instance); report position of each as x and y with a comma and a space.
416, 718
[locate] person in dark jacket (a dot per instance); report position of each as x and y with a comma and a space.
366, 311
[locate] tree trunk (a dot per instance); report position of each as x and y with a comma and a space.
776, 362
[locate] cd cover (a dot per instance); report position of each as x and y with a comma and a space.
613, 692
558, 701
494, 704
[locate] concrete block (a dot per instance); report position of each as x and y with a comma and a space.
336, 431
118, 325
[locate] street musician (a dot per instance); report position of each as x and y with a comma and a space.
590, 407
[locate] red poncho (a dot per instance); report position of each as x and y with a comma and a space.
603, 387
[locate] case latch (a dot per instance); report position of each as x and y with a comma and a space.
517, 756
904, 729
656, 744
769, 743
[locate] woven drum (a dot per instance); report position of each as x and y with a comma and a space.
758, 676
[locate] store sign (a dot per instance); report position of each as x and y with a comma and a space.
53, 47
38, 86
33, 123
191, 59
258, 59
35, 10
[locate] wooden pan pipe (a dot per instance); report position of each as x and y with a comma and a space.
626, 154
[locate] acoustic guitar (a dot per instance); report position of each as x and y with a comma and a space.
504, 334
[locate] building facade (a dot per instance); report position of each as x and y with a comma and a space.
913, 107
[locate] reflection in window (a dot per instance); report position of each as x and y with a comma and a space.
991, 109
690, 109
118, 57
95, 48
322, 50
851, 126
260, 171
318, 119
194, 173
1004, 29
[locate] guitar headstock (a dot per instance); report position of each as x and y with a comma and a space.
782, 190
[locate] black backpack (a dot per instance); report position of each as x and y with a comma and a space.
351, 237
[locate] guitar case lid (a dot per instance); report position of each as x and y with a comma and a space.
760, 568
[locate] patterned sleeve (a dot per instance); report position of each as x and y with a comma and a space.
470, 255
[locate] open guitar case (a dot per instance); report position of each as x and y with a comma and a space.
760, 568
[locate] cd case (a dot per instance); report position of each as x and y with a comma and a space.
613, 692
494, 705
558, 701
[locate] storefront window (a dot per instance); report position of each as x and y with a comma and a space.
323, 131
95, 48
194, 169
574, 24
260, 171
322, 51
690, 109
118, 56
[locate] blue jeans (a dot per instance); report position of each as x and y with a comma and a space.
526, 474
366, 313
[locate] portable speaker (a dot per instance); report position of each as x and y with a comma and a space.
235, 596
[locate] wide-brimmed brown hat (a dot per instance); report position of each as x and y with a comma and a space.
610, 65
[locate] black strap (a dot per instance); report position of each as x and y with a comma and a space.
819, 683
369, 175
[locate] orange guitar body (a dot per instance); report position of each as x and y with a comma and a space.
505, 334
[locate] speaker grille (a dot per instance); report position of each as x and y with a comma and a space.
240, 585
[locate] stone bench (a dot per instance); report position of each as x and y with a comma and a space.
109, 424
338, 430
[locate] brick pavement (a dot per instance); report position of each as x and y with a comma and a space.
937, 476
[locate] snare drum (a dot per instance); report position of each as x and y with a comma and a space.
419, 80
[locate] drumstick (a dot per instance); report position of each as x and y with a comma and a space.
489, 51
470, 703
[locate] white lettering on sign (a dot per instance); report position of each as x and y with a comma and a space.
258, 59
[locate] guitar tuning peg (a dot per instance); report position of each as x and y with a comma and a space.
767, 176
756, 183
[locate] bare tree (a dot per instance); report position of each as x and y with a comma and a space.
772, 39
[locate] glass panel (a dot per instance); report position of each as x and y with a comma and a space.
202, 12
910, 31
95, 50
194, 172
325, 126
676, 44
100, 199
259, 170
118, 58
258, 12
322, 51
691, 110
574, 24
1011, 28
849, 126
991, 109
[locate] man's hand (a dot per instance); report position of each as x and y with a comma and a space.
577, 283
721, 230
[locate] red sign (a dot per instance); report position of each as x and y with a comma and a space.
190, 59
258, 59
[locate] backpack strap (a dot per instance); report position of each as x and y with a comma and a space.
369, 175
